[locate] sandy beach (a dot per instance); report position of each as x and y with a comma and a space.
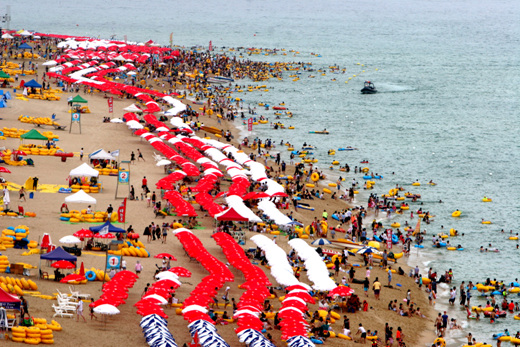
124, 328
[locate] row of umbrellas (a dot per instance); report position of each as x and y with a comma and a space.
195, 307
251, 301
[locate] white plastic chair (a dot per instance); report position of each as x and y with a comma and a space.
61, 311
76, 294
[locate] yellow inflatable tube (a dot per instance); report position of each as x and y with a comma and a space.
456, 214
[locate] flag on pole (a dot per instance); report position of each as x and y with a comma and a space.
121, 212
115, 153
110, 101
104, 230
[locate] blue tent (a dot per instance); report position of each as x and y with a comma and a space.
8, 96
32, 84
111, 228
24, 46
2, 104
59, 254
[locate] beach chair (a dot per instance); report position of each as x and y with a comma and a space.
76, 294
62, 296
60, 311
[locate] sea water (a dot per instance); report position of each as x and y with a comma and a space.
447, 72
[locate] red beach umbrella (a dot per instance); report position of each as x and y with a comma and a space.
63, 264
85, 233
4, 170
165, 255
341, 291
180, 271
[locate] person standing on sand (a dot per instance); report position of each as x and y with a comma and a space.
132, 157
139, 155
21, 192
138, 267
81, 154
92, 315
144, 184
35, 183
79, 311
376, 287
363, 332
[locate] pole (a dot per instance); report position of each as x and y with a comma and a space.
105, 273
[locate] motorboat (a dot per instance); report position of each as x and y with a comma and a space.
369, 88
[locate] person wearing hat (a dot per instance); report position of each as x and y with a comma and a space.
274, 239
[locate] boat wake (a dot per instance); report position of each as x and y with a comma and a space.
392, 88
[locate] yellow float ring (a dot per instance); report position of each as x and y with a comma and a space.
315, 177
365, 169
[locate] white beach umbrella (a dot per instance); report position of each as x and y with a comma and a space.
116, 120
163, 162
6, 36
157, 297
106, 309
194, 308
134, 125
69, 240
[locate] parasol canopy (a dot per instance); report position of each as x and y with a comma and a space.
63, 264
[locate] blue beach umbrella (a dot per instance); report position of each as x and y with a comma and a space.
320, 242
367, 250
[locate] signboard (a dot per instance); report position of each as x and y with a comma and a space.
113, 261
10, 305
389, 239
76, 117
124, 177
250, 124
110, 101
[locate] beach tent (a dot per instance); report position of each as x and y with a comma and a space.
8, 301
79, 99
111, 228
33, 134
232, 215
2, 104
3, 74
84, 170
32, 84
101, 155
80, 197
7, 36
59, 254
24, 46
